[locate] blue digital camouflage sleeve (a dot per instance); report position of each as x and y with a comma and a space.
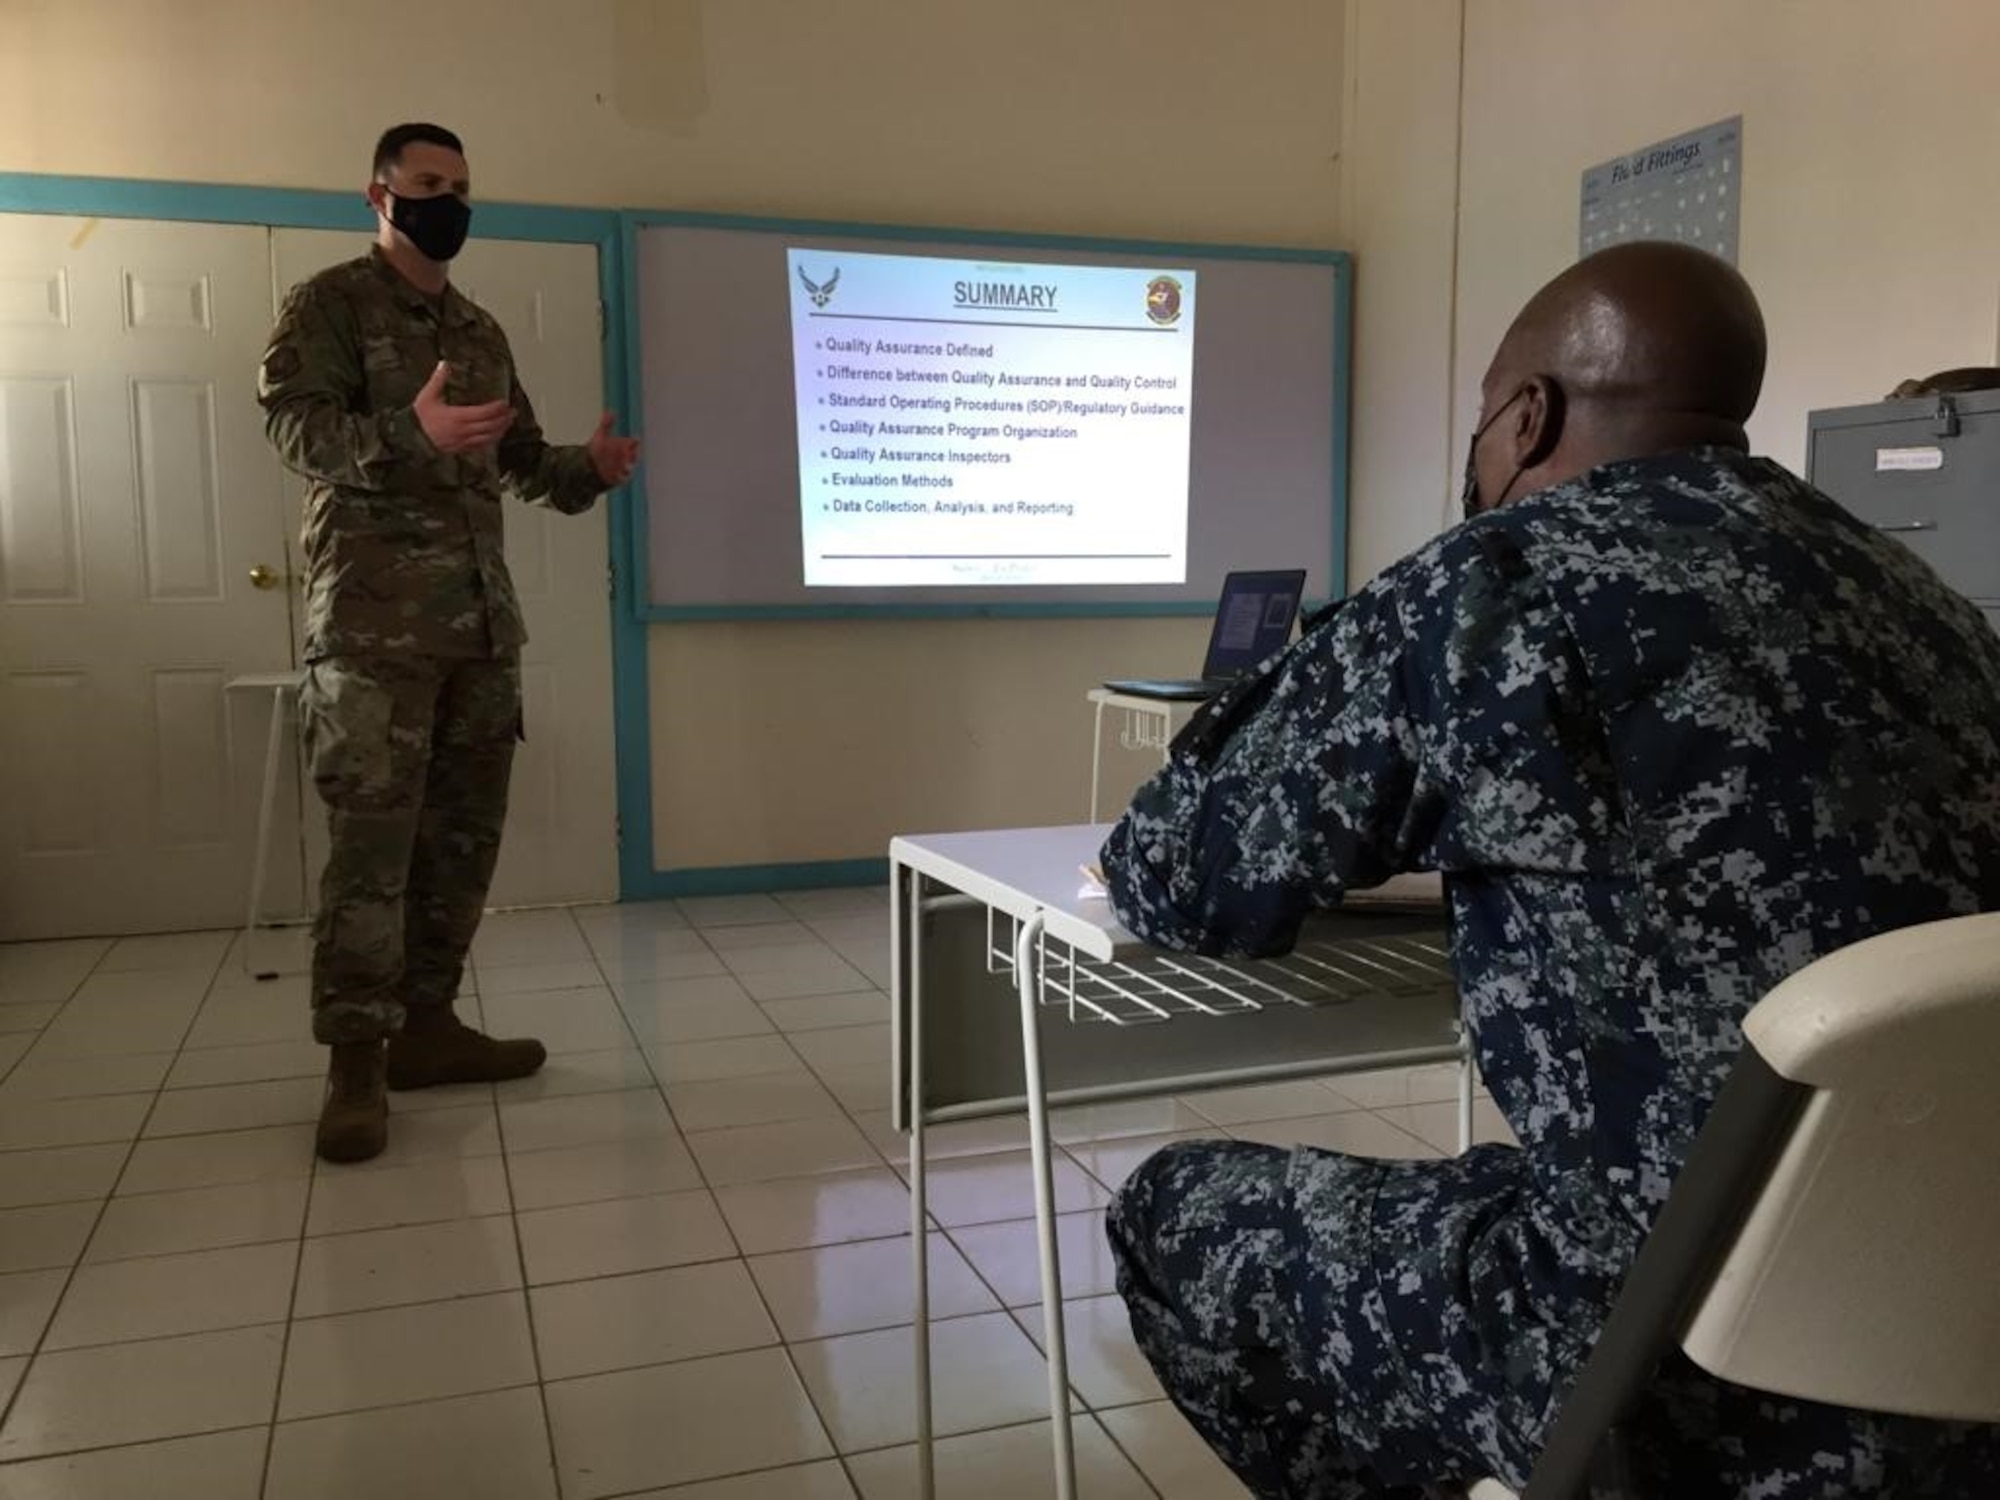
1434, 722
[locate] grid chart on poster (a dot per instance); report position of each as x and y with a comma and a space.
1689, 188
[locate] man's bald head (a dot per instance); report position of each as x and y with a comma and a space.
1639, 349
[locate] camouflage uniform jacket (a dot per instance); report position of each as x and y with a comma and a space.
402, 543
1670, 731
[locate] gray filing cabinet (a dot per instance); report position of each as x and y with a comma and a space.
1927, 471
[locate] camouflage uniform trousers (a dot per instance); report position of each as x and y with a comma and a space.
1229, 1307
1246, 1271
411, 757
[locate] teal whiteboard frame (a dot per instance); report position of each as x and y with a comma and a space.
640, 521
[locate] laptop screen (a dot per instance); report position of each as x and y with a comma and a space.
1253, 619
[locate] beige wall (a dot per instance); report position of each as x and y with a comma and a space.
1871, 211
1177, 119
1167, 118
888, 727
1400, 184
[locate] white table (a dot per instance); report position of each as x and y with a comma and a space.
991, 932
283, 688
1149, 725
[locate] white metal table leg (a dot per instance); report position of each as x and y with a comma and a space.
1465, 1099
907, 895
1027, 978
266, 802
1096, 756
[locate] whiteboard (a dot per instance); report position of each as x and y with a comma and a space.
721, 505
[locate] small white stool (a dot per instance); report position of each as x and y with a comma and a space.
1149, 725
284, 690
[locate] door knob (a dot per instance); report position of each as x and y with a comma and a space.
265, 578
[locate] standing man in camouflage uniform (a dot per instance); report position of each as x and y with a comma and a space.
1672, 724
397, 399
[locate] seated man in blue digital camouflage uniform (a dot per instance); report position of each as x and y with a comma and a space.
1672, 725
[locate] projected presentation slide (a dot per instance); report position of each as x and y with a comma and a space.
968, 422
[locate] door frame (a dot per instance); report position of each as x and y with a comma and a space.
295, 208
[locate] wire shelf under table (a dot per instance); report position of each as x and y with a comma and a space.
1159, 986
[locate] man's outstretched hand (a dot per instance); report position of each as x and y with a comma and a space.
613, 455
458, 429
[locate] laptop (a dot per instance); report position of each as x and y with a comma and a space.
1253, 619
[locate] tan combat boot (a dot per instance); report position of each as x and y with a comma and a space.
436, 1047
354, 1121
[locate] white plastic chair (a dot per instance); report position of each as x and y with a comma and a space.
1832, 1235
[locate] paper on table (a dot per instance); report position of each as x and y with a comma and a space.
1423, 890
1420, 891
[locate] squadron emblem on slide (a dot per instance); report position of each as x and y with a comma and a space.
822, 291
1163, 300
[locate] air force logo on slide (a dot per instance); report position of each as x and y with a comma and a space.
822, 291
1163, 300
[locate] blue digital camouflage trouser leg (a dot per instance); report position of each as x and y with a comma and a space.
411, 756
1247, 1271
1212, 1266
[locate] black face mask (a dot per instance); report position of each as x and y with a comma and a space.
1468, 499
436, 226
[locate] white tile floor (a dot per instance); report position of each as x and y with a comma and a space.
673, 1264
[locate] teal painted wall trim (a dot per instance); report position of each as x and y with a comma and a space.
1343, 375
695, 612
749, 880
961, 235
631, 689
284, 208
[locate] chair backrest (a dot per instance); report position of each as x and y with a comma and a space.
1863, 1274
1830, 1234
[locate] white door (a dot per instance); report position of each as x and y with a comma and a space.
561, 842
137, 493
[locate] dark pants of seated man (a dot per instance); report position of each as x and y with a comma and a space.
1340, 1328
1226, 1302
